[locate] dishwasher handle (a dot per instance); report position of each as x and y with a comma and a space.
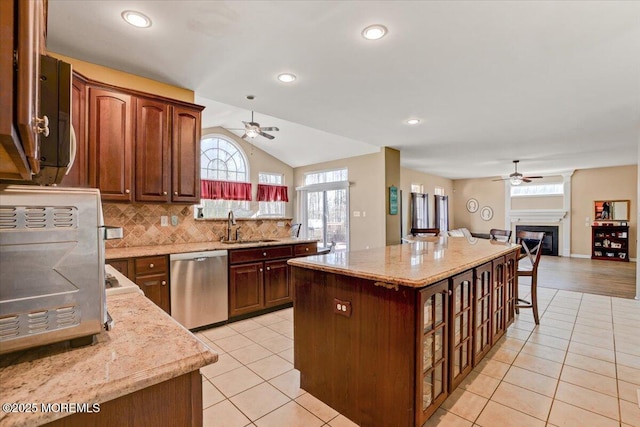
197, 256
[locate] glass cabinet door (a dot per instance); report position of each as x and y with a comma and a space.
461, 327
432, 336
498, 299
511, 284
483, 315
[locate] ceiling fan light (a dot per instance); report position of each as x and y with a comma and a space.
516, 180
251, 132
413, 121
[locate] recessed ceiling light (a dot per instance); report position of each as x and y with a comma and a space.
286, 77
136, 19
413, 121
374, 32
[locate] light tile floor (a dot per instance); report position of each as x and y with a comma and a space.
579, 367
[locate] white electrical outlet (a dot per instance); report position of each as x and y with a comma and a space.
356, 213
174, 220
364, 213
280, 224
164, 221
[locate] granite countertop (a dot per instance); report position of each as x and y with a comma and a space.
145, 347
138, 251
417, 264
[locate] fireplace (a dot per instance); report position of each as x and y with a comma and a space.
550, 242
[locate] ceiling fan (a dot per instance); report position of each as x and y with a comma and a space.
253, 129
516, 178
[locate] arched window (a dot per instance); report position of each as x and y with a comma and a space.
221, 159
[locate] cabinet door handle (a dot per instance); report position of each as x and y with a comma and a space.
268, 268
264, 254
151, 265
127, 191
163, 283
42, 125
175, 193
306, 249
164, 193
260, 270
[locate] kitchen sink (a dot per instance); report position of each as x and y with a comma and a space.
240, 242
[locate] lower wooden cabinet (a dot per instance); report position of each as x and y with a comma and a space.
460, 328
260, 278
175, 402
246, 288
432, 340
152, 276
482, 318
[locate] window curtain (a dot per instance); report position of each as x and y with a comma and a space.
272, 193
225, 190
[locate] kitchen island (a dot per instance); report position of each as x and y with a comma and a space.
384, 335
143, 372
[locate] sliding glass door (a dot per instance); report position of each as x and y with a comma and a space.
326, 217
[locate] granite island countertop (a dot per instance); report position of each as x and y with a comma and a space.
139, 251
416, 264
145, 347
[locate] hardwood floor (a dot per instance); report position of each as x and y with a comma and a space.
616, 279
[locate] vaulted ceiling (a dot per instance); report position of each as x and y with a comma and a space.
555, 84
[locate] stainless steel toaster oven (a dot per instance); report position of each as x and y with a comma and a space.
52, 285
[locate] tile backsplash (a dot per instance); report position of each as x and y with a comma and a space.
141, 225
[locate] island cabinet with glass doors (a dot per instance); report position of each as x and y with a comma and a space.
385, 335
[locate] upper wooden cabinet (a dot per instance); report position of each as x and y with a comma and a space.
78, 175
141, 148
22, 30
186, 154
153, 159
110, 144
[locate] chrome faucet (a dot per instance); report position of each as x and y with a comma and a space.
231, 220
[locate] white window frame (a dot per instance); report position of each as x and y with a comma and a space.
550, 189
271, 209
220, 208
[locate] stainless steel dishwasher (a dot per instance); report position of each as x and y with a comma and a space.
199, 288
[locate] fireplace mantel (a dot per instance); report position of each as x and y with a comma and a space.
542, 216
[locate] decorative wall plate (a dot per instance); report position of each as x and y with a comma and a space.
472, 205
486, 213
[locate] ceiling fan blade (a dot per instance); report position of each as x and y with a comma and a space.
533, 177
244, 136
501, 179
266, 135
526, 180
270, 129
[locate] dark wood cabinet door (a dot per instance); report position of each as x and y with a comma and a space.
124, 266
460, 328
110, 144
498, 300
277, 286
185, 146
30, 29
482, 317
510, 286
156, 288
246, 290
152, 158
431, 358
78, 175
22, 24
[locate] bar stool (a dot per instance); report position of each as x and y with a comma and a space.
531, 243
501, 235
432, 231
